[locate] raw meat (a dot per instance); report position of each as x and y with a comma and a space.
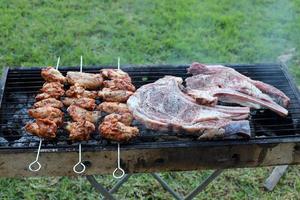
214, 83
163, 106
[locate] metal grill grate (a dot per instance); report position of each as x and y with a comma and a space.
22, 84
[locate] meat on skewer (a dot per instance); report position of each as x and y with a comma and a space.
86, 80
113, 107
116, 96
44, 128
125, 118
47, 112
82, 102
80, 130
76, 91
52, 75
115, 74
119, 84
112, 129
80, 114
50, 90
52, 102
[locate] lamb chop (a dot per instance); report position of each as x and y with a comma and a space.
80, 114
44, 128
119, 84
76, 91
115, 74
114, 95
52, 102
86, 80
82, 102
163, 106
47, 112
112, 129
52, 75
80, 130
219, 83
113, 107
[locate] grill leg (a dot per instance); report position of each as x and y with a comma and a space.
204, 184
99, 188
166, 186
119, 183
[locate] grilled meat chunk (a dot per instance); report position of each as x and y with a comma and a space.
80, 114
81, 130
112, 129
86, 80
119, 84
116, 96
50, 74
115, 74
125, 118
113, 107
47, 112
51, 90
52, 102
82, 102
76, 91
43, 128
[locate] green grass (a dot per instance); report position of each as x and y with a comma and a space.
34, 33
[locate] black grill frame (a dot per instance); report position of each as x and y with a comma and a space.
25, 73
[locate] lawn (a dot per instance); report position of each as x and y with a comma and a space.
34, 33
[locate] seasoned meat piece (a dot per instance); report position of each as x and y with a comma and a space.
80, 130
43, 128
47, 112
119, 84
112, 129
115, 74
51, 90
117, 96
49, 102
77, 91
80, 114
86, 80
125, 118
52, 75
83, 102
113, 107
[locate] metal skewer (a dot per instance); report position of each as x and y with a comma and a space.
119, 168
36, 162
79, 150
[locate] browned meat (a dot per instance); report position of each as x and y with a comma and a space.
115, 74
76, 91
47, 112
51, 90
80, 114
86, 80
112, 129
163, 106
116, 96
119, 84
49, 102
52, 75
44, 128
83, 102
125, 118
113, 107
80, 130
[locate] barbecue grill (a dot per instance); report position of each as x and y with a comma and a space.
275, 140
